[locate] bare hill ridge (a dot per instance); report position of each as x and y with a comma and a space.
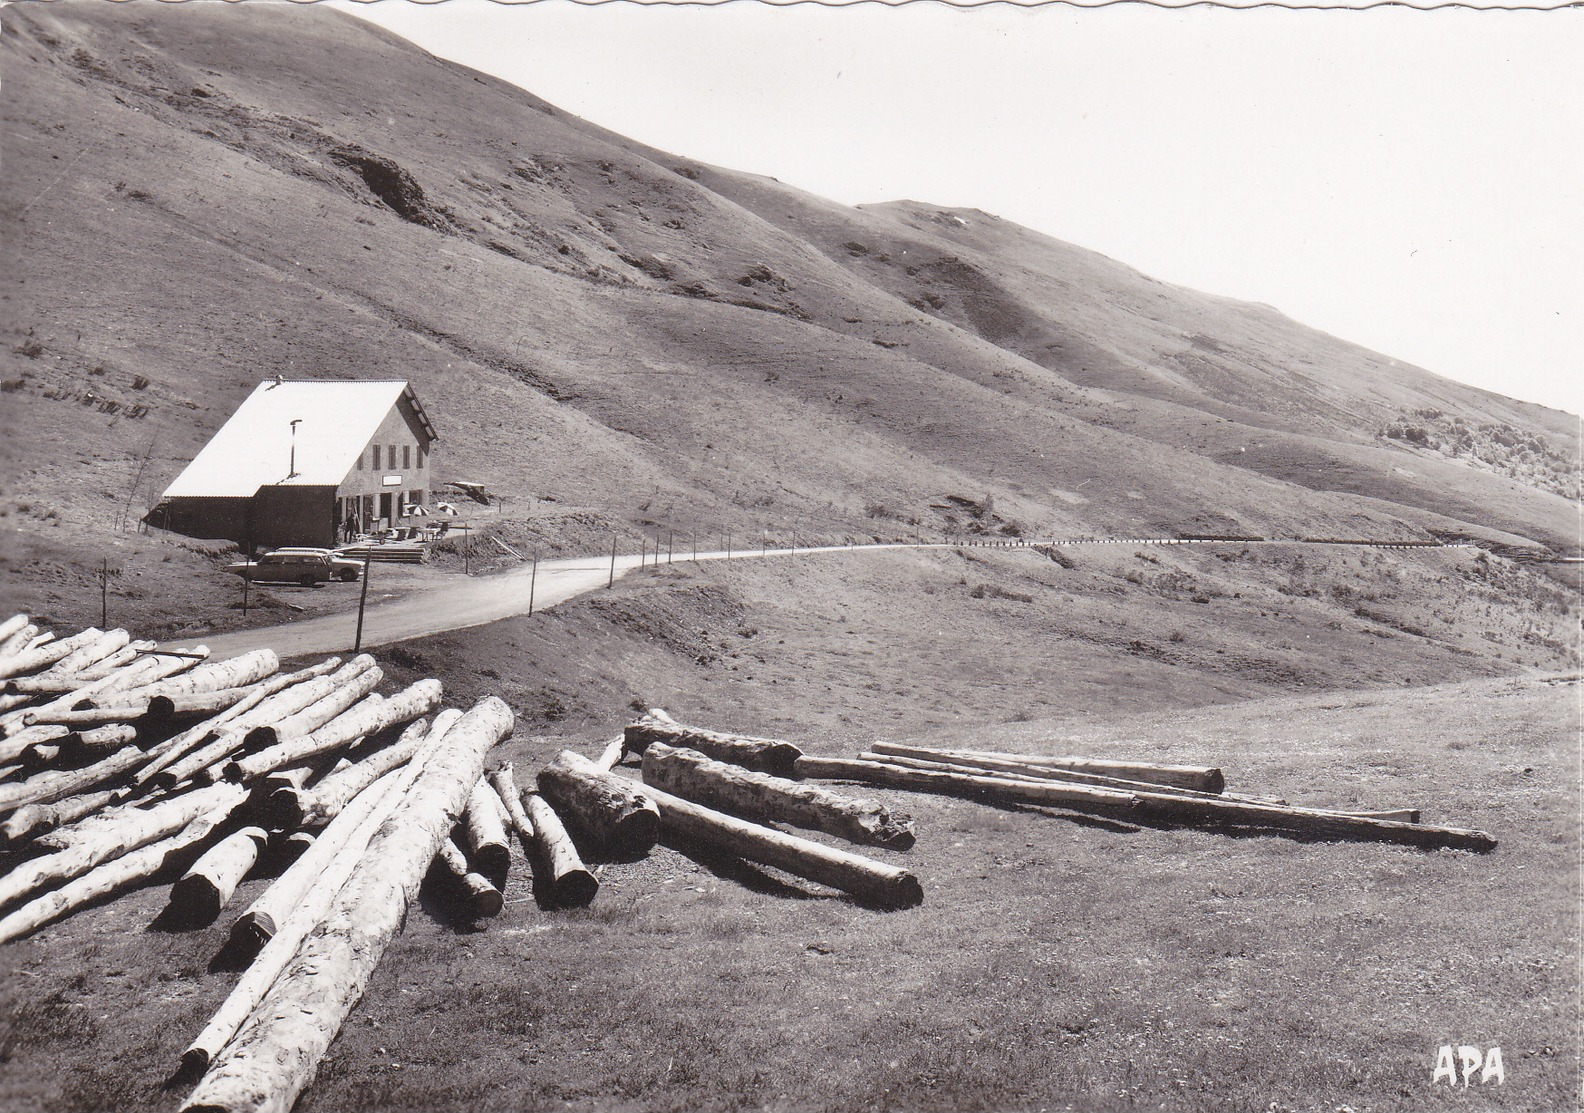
205, 196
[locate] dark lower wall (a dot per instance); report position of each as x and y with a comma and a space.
295, 516
274, 517
213, 519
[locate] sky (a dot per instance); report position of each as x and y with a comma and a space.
1411, 181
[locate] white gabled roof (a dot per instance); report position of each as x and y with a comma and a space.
254, 448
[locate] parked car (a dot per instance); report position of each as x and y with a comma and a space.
298, 566
347, 569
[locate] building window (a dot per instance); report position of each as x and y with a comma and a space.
376, 457
360, 461
392, 457
406, 456
421, 456
418, 497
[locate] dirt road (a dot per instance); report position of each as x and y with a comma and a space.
456, 603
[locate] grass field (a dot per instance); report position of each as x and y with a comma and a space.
1058, 961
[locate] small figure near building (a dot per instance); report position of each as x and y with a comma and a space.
306, 463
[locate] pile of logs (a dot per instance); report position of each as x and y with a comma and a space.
123, 763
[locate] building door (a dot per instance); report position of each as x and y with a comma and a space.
385, 508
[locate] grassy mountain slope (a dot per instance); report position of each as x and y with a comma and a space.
616, 338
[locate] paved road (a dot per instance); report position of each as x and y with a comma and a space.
455, 603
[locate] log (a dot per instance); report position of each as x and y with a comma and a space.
13, 626
1001, 790
609, 812
484, 825
46, 788
267, 794
175, 748
367, 718
325, 801
571, 883
101, 740
275, 1055
374, 806
967, 763
137, 865
982, 767
262, 767
59, 714
42, 639
45, 656
147, 670
199, 894
1203, 778
267, 736
117, 834
93, 651
58, 681
116, 664
208, 758
15, 746
36, 819
767, 755
198, 703
362, 820
611, 756
483, 899
504, 782
1310, 821
281, 708
871, 881
18, 639
213, 676
1396, 815
765, 799
259, 921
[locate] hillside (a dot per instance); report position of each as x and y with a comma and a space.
623, 330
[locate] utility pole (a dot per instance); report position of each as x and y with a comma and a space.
368, 566
612, 582
533, 579
104, 593
670, 540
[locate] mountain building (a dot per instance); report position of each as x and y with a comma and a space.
306, 463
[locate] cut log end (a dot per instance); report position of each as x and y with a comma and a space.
251, 931
485, 899
575, 889
634, 834
196, 900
